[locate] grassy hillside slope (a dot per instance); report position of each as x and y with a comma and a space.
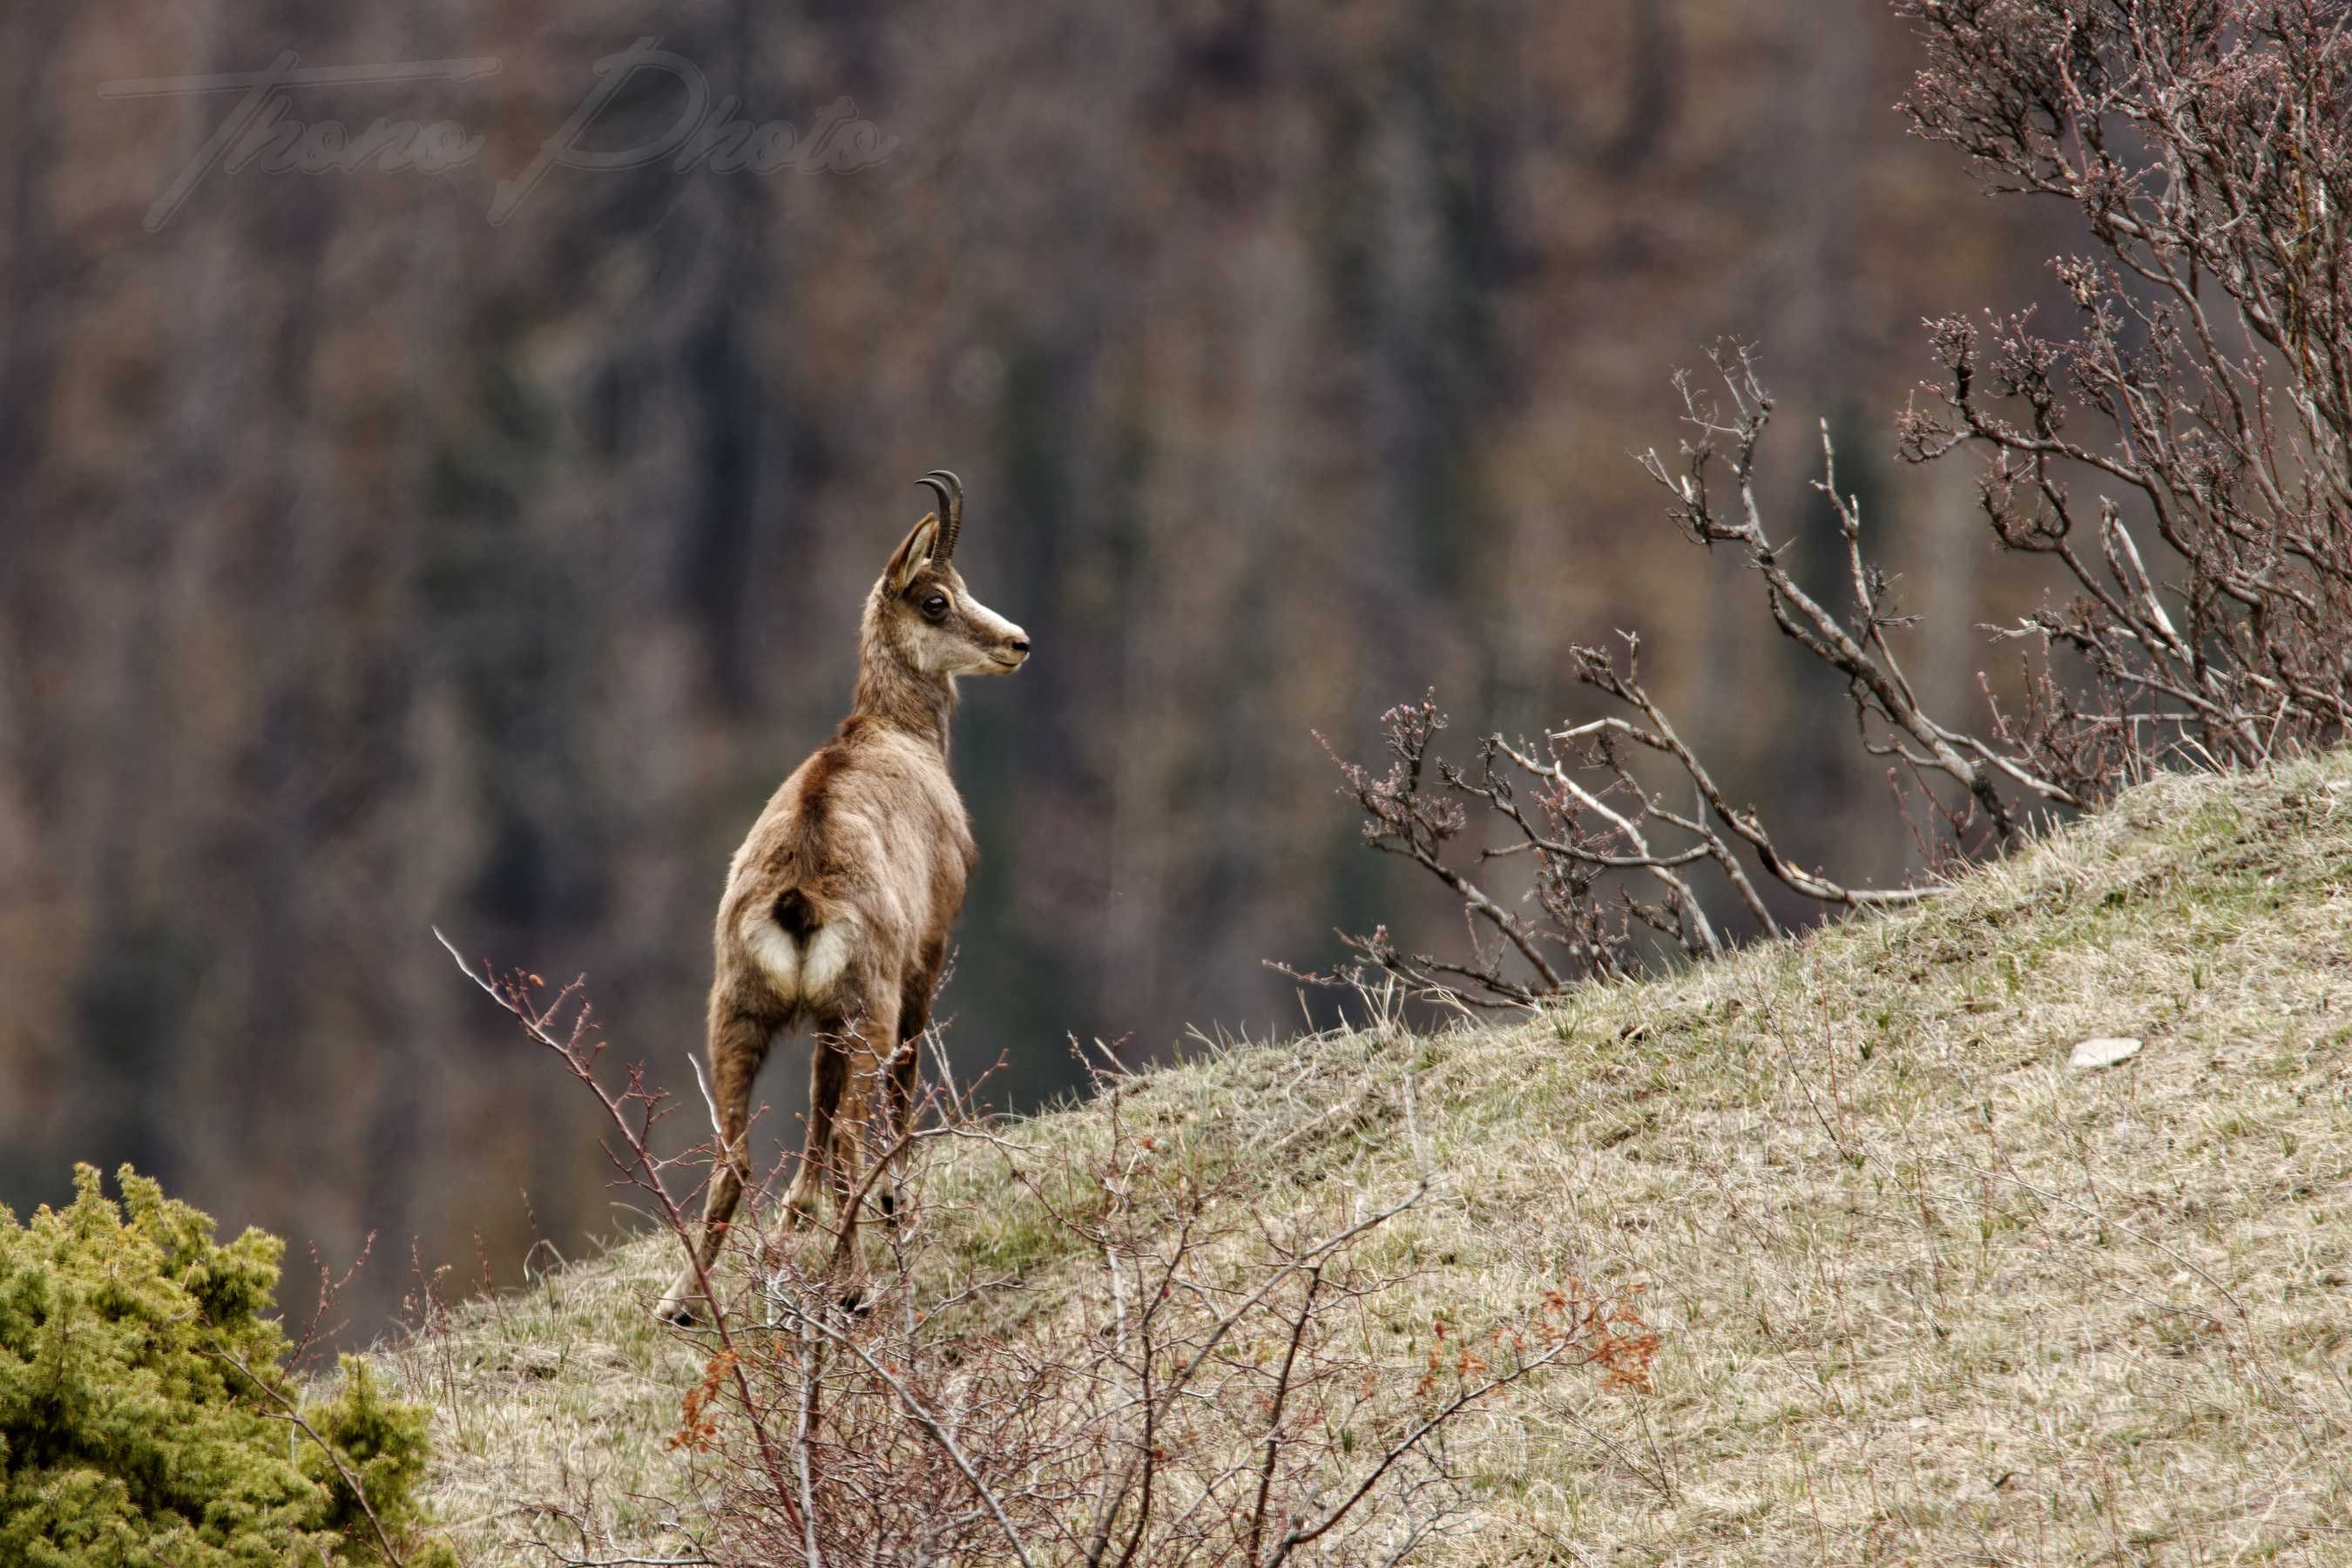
1926, 1292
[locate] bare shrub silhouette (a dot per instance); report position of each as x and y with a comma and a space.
2180, 459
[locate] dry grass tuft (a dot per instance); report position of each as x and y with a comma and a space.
1925, 1293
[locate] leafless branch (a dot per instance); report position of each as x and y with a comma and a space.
2193, 425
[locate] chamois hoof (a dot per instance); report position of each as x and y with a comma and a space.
681, 1308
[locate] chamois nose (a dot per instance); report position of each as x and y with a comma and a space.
1019, 645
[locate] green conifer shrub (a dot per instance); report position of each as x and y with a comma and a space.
144, 1402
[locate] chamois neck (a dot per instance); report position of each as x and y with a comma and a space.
919, 705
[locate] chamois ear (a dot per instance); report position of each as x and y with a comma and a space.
914, 553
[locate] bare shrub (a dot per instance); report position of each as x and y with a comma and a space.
1205, 1385
2180, 459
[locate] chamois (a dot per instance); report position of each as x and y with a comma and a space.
839, 903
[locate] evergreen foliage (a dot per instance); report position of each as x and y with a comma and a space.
145, 1407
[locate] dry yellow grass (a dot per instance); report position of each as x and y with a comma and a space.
1927, 1294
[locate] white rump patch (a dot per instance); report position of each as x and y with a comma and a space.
773, 950
800, 972
825, 962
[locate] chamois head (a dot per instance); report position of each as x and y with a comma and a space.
921, 615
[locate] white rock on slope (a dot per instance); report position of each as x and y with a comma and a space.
2103, 1052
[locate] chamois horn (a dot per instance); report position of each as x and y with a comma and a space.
949, 489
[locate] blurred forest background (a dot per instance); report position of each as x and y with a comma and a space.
365, 566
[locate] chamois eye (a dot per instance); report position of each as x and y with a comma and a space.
935, 605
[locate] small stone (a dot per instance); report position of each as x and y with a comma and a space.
2103, 1052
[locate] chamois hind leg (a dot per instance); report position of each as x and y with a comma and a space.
739, 1044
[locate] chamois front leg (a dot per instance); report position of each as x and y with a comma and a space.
904, 1079
844, 1080
739, 1044
828, 1074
